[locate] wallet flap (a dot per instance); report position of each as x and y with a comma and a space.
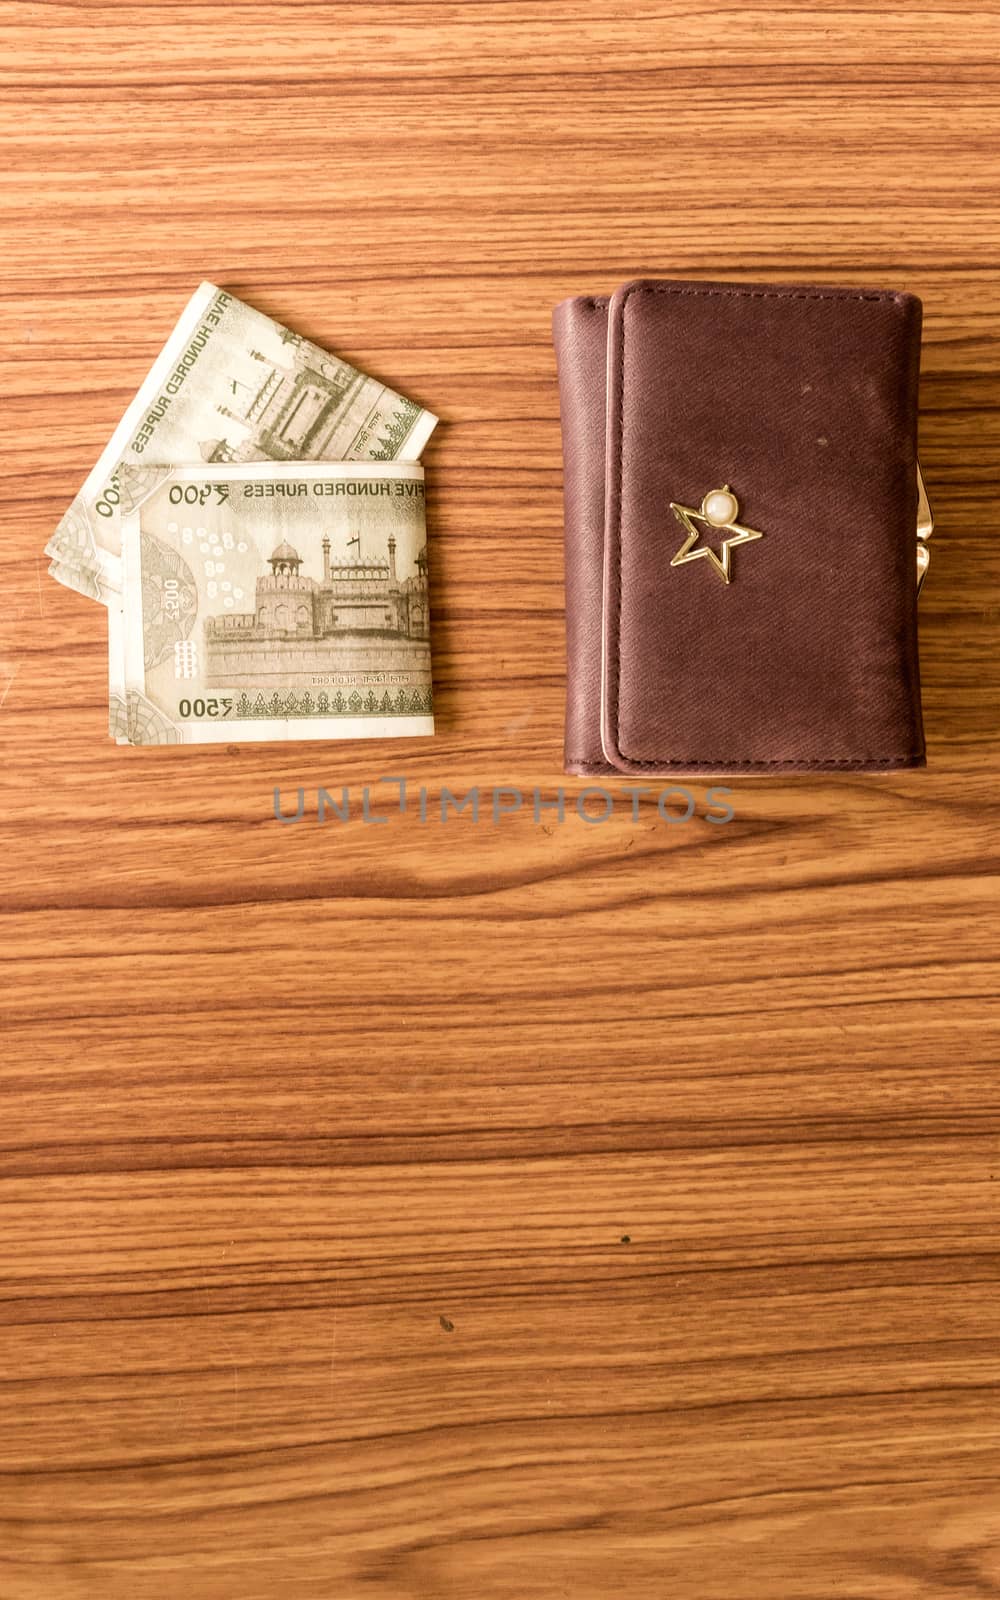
759, 582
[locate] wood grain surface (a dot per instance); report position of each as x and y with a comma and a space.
520, 1210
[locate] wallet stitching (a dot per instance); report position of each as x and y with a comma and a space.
883, 296
791, 761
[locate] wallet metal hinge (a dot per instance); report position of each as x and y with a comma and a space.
925, 527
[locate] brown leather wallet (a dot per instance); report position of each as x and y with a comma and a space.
741, 488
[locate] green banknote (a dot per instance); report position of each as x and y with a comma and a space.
230, 386
272, 601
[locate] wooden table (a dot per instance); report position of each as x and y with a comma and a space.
491, 1211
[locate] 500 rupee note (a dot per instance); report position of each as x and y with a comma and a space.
275, 602
230, 386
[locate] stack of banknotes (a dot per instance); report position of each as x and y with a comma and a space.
255, 528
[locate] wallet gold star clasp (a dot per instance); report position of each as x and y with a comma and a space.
719, 510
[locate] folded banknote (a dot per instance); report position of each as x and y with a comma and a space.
230, 386
272, 601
